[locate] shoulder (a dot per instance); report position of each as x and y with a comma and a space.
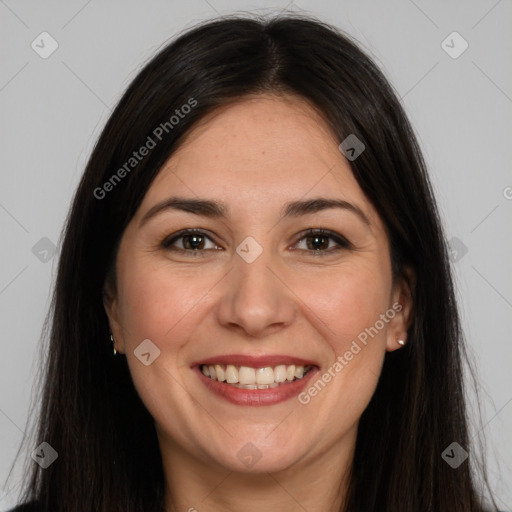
26, 507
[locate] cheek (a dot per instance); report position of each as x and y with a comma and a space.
349, 301
156, 303
350, 304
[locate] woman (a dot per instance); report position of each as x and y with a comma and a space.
256, 234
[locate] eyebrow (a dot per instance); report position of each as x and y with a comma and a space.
214, 209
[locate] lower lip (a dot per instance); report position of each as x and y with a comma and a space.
271, 396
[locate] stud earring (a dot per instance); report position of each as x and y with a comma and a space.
113, 343
401, 342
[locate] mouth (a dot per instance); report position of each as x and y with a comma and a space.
246, 377
247, 380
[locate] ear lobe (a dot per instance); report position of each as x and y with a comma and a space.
110, 306
402, 301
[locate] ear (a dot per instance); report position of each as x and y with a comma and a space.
401, 303
110, 303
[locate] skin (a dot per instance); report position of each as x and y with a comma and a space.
256, 155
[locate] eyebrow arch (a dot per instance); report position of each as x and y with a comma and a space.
215, 209
308, 206
204, 207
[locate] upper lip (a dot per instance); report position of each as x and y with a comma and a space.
255, 361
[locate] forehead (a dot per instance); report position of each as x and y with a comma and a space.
260, 151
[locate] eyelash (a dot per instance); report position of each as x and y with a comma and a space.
342, 242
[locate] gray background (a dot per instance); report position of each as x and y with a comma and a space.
53, 109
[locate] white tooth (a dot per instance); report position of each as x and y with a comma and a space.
231, 374
299, 372
212, 372
205, 370
280, 373
256, 386
264, 375
290, 372
246, 375
247, 386
221, 376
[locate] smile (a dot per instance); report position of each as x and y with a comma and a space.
246, 377
255, 381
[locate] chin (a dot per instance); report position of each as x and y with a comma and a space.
259, 457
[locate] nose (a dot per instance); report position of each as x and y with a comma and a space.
256, 300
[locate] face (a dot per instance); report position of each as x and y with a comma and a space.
286, 264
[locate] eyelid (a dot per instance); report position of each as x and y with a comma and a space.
169, 240
340, 240
336, 237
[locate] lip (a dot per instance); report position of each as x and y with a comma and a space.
255, 397
255, 361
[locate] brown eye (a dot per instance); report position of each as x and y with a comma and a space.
317, 242
323, 241
189, 240
193, 242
